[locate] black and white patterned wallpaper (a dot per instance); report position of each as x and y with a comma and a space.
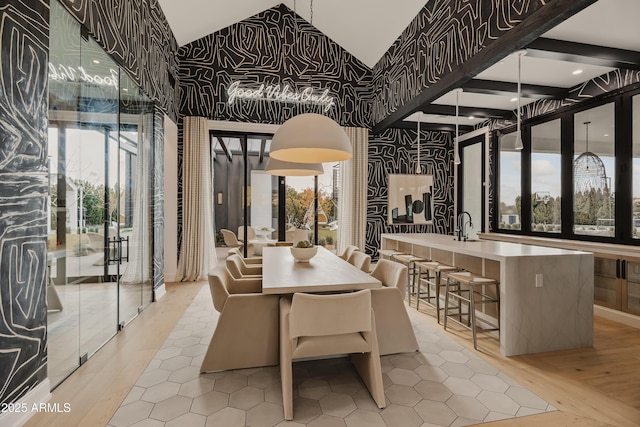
443, 35
275, 48
272, 48
395, 151
24, 38
136, 34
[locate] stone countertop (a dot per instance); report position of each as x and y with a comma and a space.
490, 249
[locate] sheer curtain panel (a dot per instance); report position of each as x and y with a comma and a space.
352, 205
197, 251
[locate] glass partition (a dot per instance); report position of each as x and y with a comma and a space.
546, 182
99, 150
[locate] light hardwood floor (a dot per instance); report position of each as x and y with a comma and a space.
597, 386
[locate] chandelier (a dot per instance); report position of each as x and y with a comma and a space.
588, 170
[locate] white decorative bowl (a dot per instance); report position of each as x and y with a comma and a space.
303, 254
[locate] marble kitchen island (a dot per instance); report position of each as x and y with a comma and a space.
546, 294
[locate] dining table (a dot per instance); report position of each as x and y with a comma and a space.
325, 272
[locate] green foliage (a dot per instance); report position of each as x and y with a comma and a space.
304, 244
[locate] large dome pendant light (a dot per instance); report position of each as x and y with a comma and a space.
518, 145
456, 155
310, 138
282, 168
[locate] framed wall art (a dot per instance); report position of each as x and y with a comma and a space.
410, 199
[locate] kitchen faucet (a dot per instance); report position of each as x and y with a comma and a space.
461, 231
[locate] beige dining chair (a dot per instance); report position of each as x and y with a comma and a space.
230, 239
246, 334
360, 260
251, 233
348, 251
254, 260
322, 325
395, 333
239, 270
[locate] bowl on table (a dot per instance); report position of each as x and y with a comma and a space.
303, 254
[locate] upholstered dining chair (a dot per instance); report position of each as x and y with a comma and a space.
239, 270
360, 260
246, 333
348, 251
395, 333
230, 238
322, 325
254, 260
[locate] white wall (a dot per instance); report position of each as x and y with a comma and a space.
170, 200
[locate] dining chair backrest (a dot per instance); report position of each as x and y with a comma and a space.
360, 260
239, 269
320, 315
251, 233
218, 280
391, 274
348, 251
230, 238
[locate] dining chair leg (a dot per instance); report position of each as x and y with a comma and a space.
286, 374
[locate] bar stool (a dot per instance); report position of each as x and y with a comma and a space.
410, 261
433, 275
388, 253
474, 295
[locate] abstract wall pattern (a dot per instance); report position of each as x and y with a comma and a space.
24, 36
443, 35
274, 48
395, 151
137, 36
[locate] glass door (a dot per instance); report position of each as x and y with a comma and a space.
472, 178
100, 157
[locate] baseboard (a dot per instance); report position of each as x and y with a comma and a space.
27, 405
617, 316
159, 292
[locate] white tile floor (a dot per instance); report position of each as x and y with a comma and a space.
441, 385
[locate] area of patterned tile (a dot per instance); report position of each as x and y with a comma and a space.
443, 384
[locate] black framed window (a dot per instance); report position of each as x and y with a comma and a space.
578, 175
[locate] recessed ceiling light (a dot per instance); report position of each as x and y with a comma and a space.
471, 117
576, 72
514, 99
606, 134
95, 61
125, 89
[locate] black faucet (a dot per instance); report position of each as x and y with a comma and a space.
461, 231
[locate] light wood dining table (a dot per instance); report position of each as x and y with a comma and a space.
325, 272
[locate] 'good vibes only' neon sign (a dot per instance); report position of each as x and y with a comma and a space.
79, 74
278, 93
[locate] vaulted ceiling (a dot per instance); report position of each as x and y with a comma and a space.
600, 38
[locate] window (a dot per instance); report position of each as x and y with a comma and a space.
593, 169
510, 183
546, 177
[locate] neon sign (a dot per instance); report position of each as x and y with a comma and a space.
79, 74
278, 93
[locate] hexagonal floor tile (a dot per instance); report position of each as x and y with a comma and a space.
337, 405
246, 398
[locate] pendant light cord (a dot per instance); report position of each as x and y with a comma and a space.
519, 88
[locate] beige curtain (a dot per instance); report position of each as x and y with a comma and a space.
197, 252
352, 205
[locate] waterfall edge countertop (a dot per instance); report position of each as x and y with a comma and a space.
489, 249
546, 294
